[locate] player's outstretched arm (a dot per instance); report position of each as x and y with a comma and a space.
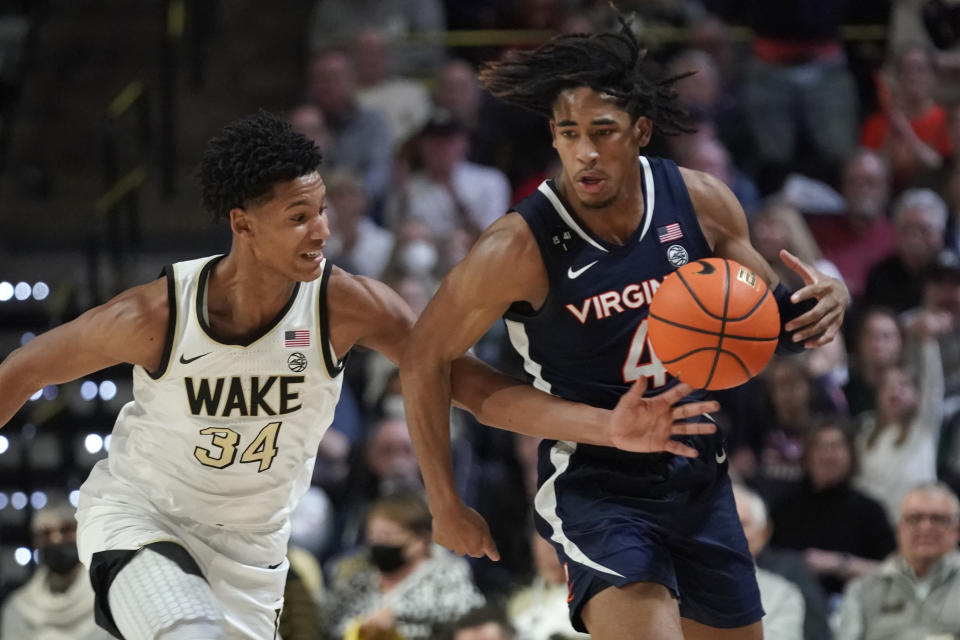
725, 227
503, 266
130, 328
637, 424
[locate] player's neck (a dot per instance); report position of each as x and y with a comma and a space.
243, 297
615, 222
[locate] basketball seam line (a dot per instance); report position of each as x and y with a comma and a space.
712, 333
715, 316
723, 323
755, 307
732, 354
695, 299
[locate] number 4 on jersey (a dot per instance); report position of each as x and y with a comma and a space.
642, 361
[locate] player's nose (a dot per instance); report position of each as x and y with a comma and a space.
586, 150
320, 226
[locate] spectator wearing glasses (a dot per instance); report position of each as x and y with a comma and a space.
915, 592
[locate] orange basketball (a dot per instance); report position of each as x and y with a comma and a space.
714, 324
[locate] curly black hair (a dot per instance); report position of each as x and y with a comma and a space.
240, 165
610, 63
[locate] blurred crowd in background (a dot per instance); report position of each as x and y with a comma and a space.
842, 150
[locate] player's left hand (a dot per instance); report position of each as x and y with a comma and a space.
645, 425
819, 325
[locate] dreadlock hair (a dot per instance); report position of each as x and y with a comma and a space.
240, 165
610, 63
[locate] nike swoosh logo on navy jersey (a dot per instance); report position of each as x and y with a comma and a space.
721, 457
189, 360
573, 275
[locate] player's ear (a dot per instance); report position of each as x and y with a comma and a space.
240, 222
553, 133
643, 129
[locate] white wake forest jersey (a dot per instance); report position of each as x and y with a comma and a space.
223, 433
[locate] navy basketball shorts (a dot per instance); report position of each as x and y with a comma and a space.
616, 518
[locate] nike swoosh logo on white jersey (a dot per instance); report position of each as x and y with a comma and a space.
721, 457
573, 275
184, 360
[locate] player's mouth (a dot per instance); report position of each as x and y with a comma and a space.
591, 183
313, 256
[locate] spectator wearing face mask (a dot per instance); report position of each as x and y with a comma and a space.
408, 587
57, 602
386, 464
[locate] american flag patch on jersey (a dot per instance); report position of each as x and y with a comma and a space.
298, 338
670, 232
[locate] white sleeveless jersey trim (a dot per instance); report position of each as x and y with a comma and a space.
227, 434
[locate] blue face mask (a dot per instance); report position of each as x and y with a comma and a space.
387, 558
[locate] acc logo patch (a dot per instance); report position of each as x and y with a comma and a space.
677, 255
747, 277
297, 362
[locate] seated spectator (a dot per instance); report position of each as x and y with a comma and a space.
457, 90
920, 216
408, 587
916, 591
57, 602
404, 103
299, 618
359, 138
484, 623
450, 192
501, 485
798, 86
779, 226
897, 443
861, 234
941, 295
707, 98
941, 301
357, 244
702, 152
387, 464
771, 433
308, 120
877, 346
911, 127
842, 532
782, 601
335, 23
539, 611
951, 195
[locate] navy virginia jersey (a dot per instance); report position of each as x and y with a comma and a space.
588, 342
616, 517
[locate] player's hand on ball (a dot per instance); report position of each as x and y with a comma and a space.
819, 325
465, 532
645, 425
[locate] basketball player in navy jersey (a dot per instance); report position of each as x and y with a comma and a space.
237, 363
651, 542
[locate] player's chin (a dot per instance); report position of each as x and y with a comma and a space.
307, 270
597, 200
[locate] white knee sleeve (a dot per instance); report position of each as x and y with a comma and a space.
152, 598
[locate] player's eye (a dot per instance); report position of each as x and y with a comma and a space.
603, 132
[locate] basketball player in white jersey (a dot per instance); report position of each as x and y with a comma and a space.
237, 364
